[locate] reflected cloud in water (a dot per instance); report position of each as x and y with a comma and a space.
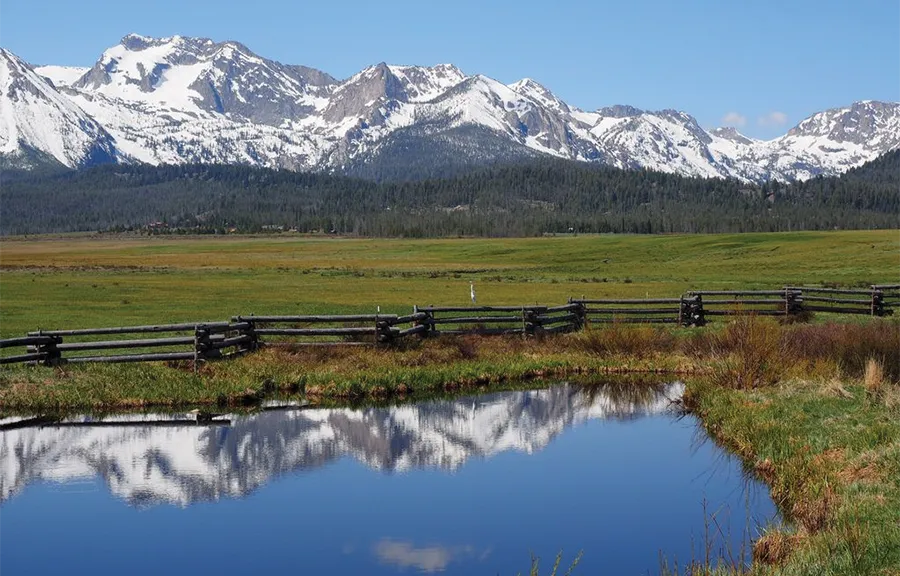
426, 559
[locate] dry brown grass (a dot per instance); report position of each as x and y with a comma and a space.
631, 340
774, 547
850, 346
874, 380
864, 473
892, 397
804, 486
834, 387
752, 353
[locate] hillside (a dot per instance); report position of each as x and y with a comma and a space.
523, 199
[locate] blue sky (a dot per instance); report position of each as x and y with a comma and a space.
760, 65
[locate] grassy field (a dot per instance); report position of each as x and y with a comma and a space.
813, 409
81, 281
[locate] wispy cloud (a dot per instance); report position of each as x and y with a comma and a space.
773, 119
734, 119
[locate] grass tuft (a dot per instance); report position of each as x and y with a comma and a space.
892, 399
774, 547
835, 388
752, 352
624, 339
535, 569
873, 380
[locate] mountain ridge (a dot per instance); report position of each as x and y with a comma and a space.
187, 100
39, 125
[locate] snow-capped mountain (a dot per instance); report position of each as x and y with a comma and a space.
178, 100
39, 125
146, 464
836, 140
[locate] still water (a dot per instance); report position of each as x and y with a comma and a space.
472, 485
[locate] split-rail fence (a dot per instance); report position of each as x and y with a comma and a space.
197, 342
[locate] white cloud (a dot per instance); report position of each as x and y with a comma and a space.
773, 119
734, 119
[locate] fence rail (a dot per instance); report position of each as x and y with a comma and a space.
633, 311
197, 342
841, 301
890, 295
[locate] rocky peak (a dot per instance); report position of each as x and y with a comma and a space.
197, 74
619, 111
423, 83
538, 92
859, 123
137, 42
687, 121
731, 133
364, 94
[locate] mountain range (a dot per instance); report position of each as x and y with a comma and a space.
192, 100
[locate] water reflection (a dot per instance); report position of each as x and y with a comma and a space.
147, 464
424, 559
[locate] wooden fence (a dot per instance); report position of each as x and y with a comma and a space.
865, 302
201, 341
322, 330
711, 303
487, 320
193, 341
890, 296
680, 311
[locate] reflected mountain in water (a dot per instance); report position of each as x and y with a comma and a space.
147, 464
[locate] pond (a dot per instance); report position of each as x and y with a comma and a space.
471, 485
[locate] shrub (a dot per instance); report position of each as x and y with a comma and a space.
752, 353
625, 339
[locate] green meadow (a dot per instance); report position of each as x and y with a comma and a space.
812, 409
93, 281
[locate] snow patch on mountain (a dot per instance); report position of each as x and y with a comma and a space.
184, 100
426, 83
62, 76
35, 119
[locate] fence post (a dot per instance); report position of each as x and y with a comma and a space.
694, 310
580, 313
877, 302
417, 322
684, 312
50, 352
383, 334
252, 345
423, 322
429, 321
691, 311
530, 322
793, 301
201, 344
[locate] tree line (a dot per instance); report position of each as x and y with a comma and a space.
539, 196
